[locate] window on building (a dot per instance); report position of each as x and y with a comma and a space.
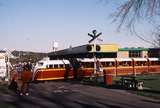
135, 53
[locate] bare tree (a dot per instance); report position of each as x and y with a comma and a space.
132, 11
156, 38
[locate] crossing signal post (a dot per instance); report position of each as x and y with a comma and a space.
94, 36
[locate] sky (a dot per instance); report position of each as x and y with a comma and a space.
34, 25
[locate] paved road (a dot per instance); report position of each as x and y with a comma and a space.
74, 95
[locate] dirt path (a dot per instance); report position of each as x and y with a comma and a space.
74, 95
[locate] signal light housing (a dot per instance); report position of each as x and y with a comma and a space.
98, 48
91, 47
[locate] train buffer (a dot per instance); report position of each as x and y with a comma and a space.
130, 82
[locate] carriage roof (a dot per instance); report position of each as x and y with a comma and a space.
86, 60
54, 62
140, 59
154, 59
107, 60
123, 59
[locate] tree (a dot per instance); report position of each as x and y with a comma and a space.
132, 11
156, 39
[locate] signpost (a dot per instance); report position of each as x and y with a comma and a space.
94, 36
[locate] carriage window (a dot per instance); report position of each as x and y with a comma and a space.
50, 66
56, 66
125, 63
92, 64
40, 64
103, 64
47, 66
67, 65
61, 66
141, 63
88, 64
155, 62
110, 64
82, 63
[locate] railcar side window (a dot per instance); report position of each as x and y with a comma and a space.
103, 64
125, 63
88, 64
61, 66
155, 62
50, 66
92, 64
141, 63
67, 65
47, 66
107, 64
40, 63
56, 66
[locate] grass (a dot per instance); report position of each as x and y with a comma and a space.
151, 85
151, 81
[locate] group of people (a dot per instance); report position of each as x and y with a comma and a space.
20, 79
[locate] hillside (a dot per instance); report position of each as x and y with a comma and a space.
26, 56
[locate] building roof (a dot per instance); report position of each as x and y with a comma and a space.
87, 50
154, 49
133, 49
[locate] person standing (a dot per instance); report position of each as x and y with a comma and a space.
26, 77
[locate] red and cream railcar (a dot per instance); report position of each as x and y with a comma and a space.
86, 67
124, 66
108, 65
140, 66
61, 69
154, 65
52, 70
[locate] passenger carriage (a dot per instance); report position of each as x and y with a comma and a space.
154, 65
62, 69
124, 66
86, 67
52, 70
108, 65
140, 66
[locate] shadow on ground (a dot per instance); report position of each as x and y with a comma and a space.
47, 95
68, 94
